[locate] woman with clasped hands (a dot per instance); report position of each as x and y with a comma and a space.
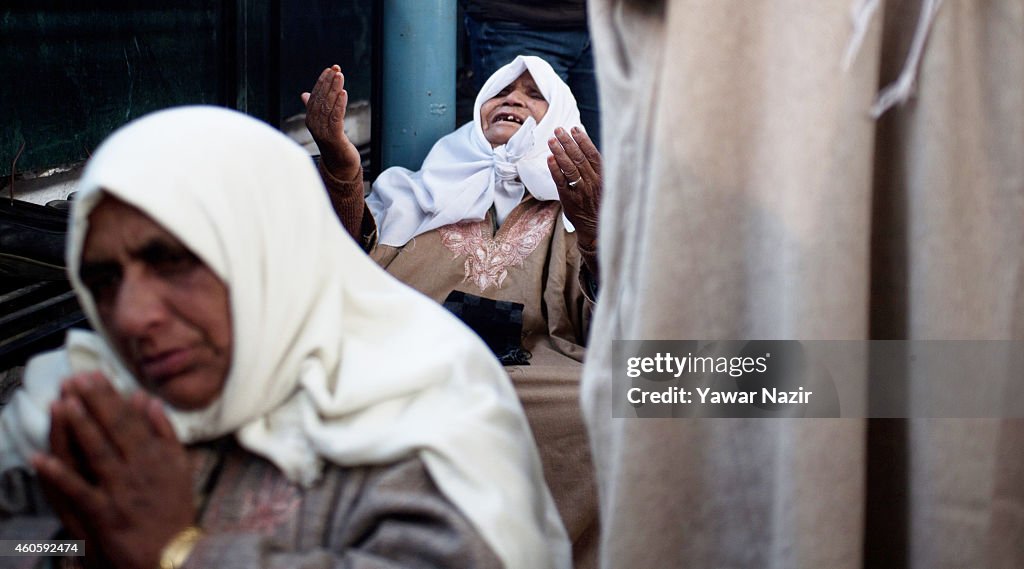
257, 392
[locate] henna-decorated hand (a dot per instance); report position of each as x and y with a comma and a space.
325, 119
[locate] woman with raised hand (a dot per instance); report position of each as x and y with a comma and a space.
499, 225
258, 393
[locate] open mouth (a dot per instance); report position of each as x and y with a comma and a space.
506, 117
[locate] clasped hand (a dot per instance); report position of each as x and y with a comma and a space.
116, 474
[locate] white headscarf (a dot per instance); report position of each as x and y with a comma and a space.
332, 358
462, 175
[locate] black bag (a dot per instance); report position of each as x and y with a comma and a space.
498, 322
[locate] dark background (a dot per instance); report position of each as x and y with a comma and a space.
72, 72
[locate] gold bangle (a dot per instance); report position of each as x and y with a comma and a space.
176, 552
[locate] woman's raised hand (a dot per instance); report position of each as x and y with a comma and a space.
325, 119
575, 166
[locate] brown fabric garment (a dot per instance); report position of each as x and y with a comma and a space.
382, 516
376, 516
749, 195
347, 198
534, 261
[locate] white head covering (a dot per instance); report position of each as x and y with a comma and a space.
332, 358
462, 176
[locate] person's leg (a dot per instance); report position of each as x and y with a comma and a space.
493, 44
482, 43
584, 86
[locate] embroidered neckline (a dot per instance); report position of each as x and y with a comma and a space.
488, 258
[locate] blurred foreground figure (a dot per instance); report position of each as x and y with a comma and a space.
245, 323
759, 189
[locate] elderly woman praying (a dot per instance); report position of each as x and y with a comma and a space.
500, 226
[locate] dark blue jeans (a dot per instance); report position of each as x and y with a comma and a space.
493, 44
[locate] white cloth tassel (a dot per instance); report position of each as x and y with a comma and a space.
861, 14
900, 90
897, 92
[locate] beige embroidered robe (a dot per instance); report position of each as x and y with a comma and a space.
531, 259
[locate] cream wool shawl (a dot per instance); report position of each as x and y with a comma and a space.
463, 176
329, 358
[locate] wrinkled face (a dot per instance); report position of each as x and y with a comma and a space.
502, 115
167, 313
